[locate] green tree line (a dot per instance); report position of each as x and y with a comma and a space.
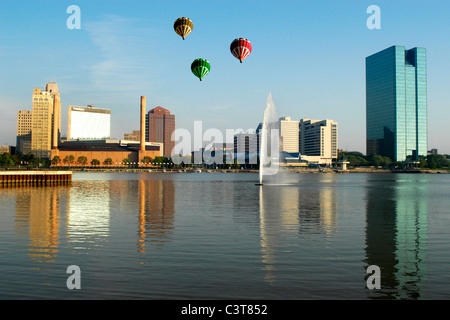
431, 161
11, 160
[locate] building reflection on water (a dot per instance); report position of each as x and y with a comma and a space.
136, 217
294, 211
396, 235
38, 217
88, 213
80, 214
156, 213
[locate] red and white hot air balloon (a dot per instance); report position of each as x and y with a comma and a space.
241, 48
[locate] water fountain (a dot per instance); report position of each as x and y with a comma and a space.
269, 150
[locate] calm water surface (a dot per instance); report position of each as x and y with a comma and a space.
218, 236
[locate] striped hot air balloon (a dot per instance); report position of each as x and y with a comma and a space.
200, 68
241, 48
183, 26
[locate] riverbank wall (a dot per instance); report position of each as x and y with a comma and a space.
38, 177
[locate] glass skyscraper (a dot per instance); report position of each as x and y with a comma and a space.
396, 103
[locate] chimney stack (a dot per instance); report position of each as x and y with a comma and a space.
56, 117
143, 102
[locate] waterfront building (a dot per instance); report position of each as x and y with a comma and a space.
246, 147
88, 123
116, 150
7, 149
396, 103
122, 153
23, 141
159, 125
52, 88
45, 120
289, 137
133, 136
318, 140
224, 149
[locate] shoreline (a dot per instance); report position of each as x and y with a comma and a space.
206, 170
287, 170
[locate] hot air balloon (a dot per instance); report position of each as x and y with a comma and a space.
183, 26
200, 68
241, 48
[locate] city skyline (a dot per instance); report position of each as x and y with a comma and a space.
122, 52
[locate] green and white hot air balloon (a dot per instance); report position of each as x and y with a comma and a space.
200, 68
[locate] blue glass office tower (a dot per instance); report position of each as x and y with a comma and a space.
396, 103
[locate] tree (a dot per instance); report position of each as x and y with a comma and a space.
356, 160
108, 161
15, 159
350, 153
56, 160
374, 160
95, 162
82, 160
70, 159
377, 160
147, 160
432, 163
158, 161
126, 161
435, 161
6, 159
45, 163
34, 162
422, 161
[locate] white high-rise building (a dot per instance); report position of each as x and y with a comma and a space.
289, 135
318, 138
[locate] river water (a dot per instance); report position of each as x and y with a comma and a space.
219, 236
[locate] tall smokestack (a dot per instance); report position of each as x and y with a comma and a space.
56, 119
142, 147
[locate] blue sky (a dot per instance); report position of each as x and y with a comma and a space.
309, 54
